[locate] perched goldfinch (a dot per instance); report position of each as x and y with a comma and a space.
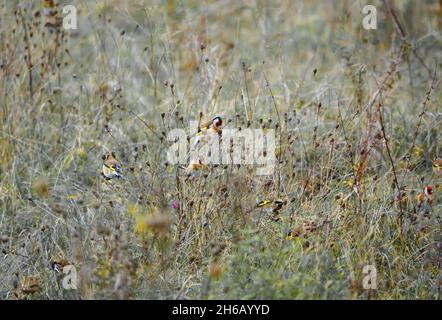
295, 233
425, 197
195, 167
276, 204
207, 131
111, 168
437, 166
301, 231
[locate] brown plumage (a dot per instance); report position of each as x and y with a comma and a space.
437, 166
195, 167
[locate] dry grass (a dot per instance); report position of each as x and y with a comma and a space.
357, 116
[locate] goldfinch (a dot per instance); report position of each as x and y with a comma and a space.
301, 231
437, 166
195, 167
111, 169
425, 197
295, 233
207, 131
276, 204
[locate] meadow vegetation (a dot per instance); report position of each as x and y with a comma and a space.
357, 116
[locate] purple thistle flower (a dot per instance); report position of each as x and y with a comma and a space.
176, 204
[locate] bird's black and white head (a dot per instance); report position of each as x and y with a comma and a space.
217, 122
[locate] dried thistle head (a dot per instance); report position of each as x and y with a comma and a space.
41, 187
216, 271
158, 222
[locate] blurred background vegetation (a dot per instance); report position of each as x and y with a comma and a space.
357, 115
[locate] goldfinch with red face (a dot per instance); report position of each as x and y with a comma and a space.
425, 197
301, 231
111, 168
207, 131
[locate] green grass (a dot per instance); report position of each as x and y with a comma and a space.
357, 115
